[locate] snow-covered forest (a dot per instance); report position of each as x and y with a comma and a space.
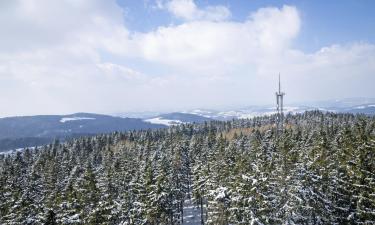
321, 170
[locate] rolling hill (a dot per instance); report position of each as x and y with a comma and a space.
26, 131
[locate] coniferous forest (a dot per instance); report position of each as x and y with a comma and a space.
320, 170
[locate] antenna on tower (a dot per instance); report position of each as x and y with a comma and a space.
280, 109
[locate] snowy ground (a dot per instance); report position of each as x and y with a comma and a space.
192, 213
67, 119
162, 121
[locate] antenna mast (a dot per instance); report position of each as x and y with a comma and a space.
280, 109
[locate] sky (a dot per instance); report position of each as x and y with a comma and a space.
66, 56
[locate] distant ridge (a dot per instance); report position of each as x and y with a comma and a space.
25, 131
28, 131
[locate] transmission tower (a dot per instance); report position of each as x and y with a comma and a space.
279, 108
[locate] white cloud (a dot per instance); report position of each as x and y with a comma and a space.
69, 56
266, 32
116, 71
188, 10
34, 24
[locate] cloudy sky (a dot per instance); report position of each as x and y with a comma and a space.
64, 56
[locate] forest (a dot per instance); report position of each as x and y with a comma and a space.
319, 170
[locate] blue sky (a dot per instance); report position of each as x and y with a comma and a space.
63, 56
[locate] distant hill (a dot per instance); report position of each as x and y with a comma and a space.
29, 131
368, 109
347, 105
25, 131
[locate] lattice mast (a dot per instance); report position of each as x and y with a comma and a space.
280, 109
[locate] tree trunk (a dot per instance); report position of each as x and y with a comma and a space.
182, 212
202, 217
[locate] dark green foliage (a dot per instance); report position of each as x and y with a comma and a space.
319, 171
51, 218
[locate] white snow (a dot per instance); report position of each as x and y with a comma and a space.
14, 151
250, 112
219, 193
199, 112
254, 112
67, 119
8, 152
245, 177
364, 106
159, 120
192, 213
291, 108
72, 219
244, 114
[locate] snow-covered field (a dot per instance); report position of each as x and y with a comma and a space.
364, 106
14, 151
159, 120
246, 113
192, 213
67, 119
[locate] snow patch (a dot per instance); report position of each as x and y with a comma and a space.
14, 151
67, 119
364, 106
199, 112
220, 194
159, 120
